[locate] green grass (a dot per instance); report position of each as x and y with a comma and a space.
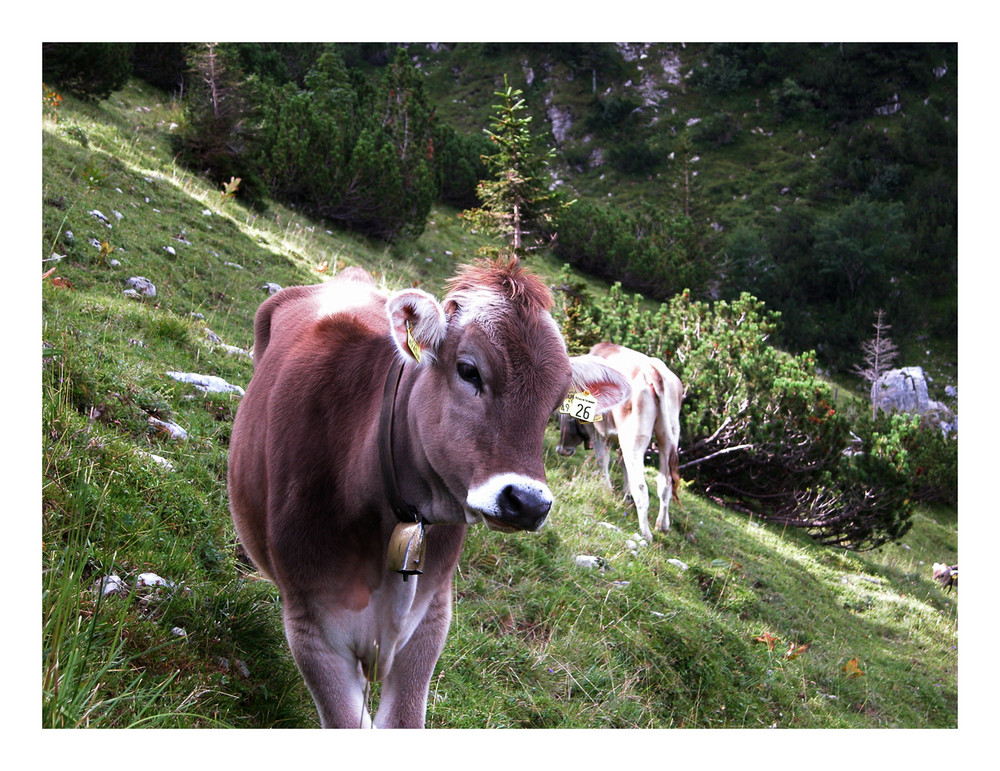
536, 641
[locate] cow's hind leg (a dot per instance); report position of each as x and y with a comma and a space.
664, 488
335, 680
403, 697
667, 477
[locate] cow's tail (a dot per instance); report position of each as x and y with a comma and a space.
673, 462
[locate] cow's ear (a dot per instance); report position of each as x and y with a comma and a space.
605, 384
417, 324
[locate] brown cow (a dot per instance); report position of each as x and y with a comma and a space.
653, 410
368, 411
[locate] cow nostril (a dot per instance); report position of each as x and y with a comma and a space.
524, 506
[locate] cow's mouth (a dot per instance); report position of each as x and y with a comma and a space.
499, 525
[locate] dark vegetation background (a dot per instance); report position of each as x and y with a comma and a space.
822, 179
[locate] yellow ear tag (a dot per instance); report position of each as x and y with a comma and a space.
581, 406
412, 344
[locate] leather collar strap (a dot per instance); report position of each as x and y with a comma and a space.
404, 511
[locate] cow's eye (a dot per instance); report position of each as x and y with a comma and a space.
470, 374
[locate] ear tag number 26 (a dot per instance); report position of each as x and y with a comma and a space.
581, 406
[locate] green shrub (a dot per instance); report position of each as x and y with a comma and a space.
790, 99
356, 153
458, 165
722, 74
634, 157
644, 248
718, 129
90, 70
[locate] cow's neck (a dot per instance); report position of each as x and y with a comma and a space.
405, 512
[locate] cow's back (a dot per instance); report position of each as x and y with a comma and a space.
315, 348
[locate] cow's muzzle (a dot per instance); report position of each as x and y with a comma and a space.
511, 502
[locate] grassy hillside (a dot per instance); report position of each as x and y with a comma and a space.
722, 623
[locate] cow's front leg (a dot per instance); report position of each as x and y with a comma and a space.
403, 697
602, 453
633, 448
334, 677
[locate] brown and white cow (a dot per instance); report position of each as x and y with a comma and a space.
369, 410
653, 410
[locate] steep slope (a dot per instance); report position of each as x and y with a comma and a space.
722, 623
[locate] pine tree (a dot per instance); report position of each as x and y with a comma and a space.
516, 203
216, 135
880, 354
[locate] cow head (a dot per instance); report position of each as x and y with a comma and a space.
573, 433
491, 367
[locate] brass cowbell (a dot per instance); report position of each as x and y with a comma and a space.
406, 549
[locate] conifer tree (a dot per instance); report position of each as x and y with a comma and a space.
216, 134
516, 203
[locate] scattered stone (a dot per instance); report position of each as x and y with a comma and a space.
157, 459
151, 579
272, 288
170, 250
207, 383
590, 562
172, 430
677, 563
141, 286
234, 350
110, 585
100, 216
